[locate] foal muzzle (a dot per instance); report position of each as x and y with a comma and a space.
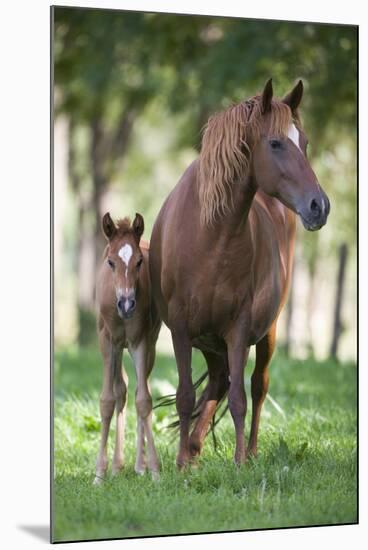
126, 306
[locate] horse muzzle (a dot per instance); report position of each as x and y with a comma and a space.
315, 214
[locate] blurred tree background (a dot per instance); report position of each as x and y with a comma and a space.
132, 93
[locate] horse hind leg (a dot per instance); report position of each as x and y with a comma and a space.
259, 383
216, 389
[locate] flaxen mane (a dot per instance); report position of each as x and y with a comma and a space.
225, 151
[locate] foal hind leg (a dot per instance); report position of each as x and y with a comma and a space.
260, 382
120, 393
143, 362
217, 388
107, 401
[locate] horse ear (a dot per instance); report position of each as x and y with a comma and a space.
267, 96
108, 226
294, 98
138, 225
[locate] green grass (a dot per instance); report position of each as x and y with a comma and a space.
305, 473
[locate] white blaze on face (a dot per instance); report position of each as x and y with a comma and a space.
293, 134
125, 254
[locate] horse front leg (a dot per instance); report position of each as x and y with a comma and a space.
185, 394
260, 381
237, 357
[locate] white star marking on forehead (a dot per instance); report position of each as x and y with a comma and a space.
126, 253
293, 134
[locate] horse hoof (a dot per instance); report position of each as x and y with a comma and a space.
194, 448
240, 460
182, 465
252, 454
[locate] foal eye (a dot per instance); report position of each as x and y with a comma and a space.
139, 263
111, 263
275, 144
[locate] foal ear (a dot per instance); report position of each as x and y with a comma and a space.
108, 226
294, 98
138, 226
267, 96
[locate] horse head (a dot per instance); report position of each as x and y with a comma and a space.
279, 162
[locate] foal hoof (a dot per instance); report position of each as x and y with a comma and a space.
116, 471
155, 475
140, 470
98, 480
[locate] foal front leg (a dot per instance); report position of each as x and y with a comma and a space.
107, 401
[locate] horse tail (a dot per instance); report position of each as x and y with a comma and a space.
169, 400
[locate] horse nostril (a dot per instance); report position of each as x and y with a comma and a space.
315, 208
132, 304
120, 304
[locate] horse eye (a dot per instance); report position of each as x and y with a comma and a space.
111, 263
139, 263
275, 144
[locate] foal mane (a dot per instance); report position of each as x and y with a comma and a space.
226, 147
123, 227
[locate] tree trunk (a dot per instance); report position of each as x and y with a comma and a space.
83, 265
337, 324
106, 148
99, 184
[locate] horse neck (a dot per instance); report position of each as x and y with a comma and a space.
236, 219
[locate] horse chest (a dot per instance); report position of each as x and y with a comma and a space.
213, 307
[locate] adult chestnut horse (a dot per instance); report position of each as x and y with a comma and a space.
221, 255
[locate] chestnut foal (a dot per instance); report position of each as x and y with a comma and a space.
127, 318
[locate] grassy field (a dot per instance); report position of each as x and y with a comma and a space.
305, 473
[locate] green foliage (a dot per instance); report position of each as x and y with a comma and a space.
87, 327
305, 473
138, 88
105, 59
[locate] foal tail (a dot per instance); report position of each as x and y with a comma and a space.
170, 400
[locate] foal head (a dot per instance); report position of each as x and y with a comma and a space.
279, 161
124, 258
